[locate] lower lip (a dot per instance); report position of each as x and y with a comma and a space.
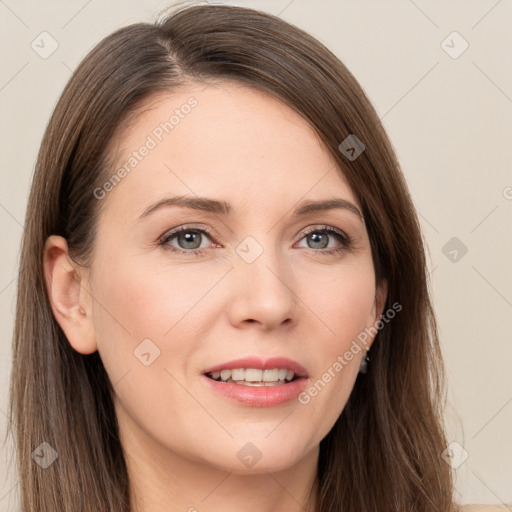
258, 396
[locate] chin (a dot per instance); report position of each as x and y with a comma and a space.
260, 454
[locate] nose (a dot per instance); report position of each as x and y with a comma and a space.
262, 292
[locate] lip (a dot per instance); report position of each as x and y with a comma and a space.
255, 396
264, 396
261, 364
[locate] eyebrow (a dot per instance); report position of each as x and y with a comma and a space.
224, 208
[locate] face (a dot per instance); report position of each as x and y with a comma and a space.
180, 291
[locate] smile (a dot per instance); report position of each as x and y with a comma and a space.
253, 376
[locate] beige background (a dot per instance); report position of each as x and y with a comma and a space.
450, 120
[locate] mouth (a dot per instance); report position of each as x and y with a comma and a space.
254, 376
256, 371
257, 382
276, 382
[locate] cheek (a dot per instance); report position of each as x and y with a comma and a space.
147, 325
136, 302
343, 300
345, 306
140, 301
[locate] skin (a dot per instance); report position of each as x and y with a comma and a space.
181, 439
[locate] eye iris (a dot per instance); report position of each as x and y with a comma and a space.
316, 237
190, 237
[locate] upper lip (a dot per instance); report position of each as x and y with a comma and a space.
261, 364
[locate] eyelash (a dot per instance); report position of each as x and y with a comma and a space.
344, 240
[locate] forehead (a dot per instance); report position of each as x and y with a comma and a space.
223, 139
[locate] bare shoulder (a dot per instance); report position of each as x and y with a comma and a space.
486, 508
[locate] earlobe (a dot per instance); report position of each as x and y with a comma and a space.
70, 301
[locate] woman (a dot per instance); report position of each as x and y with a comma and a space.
217, 233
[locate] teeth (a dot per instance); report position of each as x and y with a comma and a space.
238, 374
270, 375
254, 377
251, 375
257, 384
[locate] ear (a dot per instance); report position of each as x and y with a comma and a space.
381, 295
68, 291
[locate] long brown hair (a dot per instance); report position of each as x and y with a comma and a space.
384, 451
